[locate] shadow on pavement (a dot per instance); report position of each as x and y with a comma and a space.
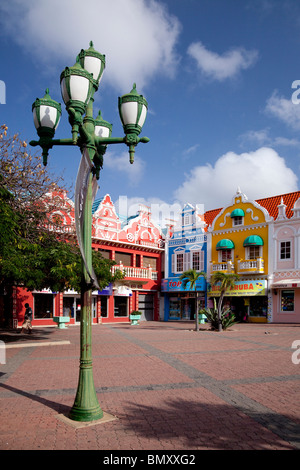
15, 336
214, 426
35, 397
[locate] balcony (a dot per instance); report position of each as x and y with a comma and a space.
251, 266
135, 273
224, 267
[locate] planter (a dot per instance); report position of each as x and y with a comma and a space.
134, 317
61, 321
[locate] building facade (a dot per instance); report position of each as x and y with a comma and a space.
239, 243
137, 247
185, 249
286, 270
258, 240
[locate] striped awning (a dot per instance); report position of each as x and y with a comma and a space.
225, 244
237, 213
253, 240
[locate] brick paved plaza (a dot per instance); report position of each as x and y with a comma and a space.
162, 386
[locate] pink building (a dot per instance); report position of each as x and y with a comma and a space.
285, 285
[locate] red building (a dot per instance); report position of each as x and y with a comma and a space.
137, 248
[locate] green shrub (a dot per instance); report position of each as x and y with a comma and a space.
227, 317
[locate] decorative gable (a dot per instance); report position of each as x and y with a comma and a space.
106, 223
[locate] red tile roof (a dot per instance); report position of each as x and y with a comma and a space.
272, 203
209, 216
269, 203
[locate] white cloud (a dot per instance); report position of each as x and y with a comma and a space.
120, 163
261, 173
162, 213
221, 67
138, 37
262, 137
285, 110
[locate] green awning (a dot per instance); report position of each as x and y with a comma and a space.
253, 240
237, 213
225, 244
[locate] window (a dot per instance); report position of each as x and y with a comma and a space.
285, 250
105, 253
187, 260
187, 219
287, 301
179, 263
124, 258
253, 252
147, 260
120, 309
238, 220
43, 306
225, 255
198, 260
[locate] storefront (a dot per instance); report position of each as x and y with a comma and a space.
286, 301
179, 303
248, 300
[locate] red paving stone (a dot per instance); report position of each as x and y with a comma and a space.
167, 386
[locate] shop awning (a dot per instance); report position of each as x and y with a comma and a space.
225, 244
124, 291
237, 213
286, 283
253, 240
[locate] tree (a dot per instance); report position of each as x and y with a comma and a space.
32, 254
191, 277
227, 281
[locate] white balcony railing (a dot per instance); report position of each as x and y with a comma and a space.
226, 266
251, 266
137, 273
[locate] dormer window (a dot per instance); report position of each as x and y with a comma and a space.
187, 219
237, 216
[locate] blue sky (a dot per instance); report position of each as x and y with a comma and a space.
217, 75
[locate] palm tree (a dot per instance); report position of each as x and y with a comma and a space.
227, 282
190, 277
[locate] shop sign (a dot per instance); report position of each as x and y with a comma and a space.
241, 288
174, 284
107, 291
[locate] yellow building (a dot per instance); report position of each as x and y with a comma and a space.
239, 244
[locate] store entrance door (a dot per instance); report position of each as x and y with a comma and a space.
72, 307
188, 308
239, 308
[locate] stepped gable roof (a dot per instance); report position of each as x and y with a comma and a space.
269, 203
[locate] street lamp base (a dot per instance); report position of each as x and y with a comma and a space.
84, 414
86, 406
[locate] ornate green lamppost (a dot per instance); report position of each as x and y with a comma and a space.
78, 86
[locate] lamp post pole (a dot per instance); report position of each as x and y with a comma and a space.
86, 406
79, 83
